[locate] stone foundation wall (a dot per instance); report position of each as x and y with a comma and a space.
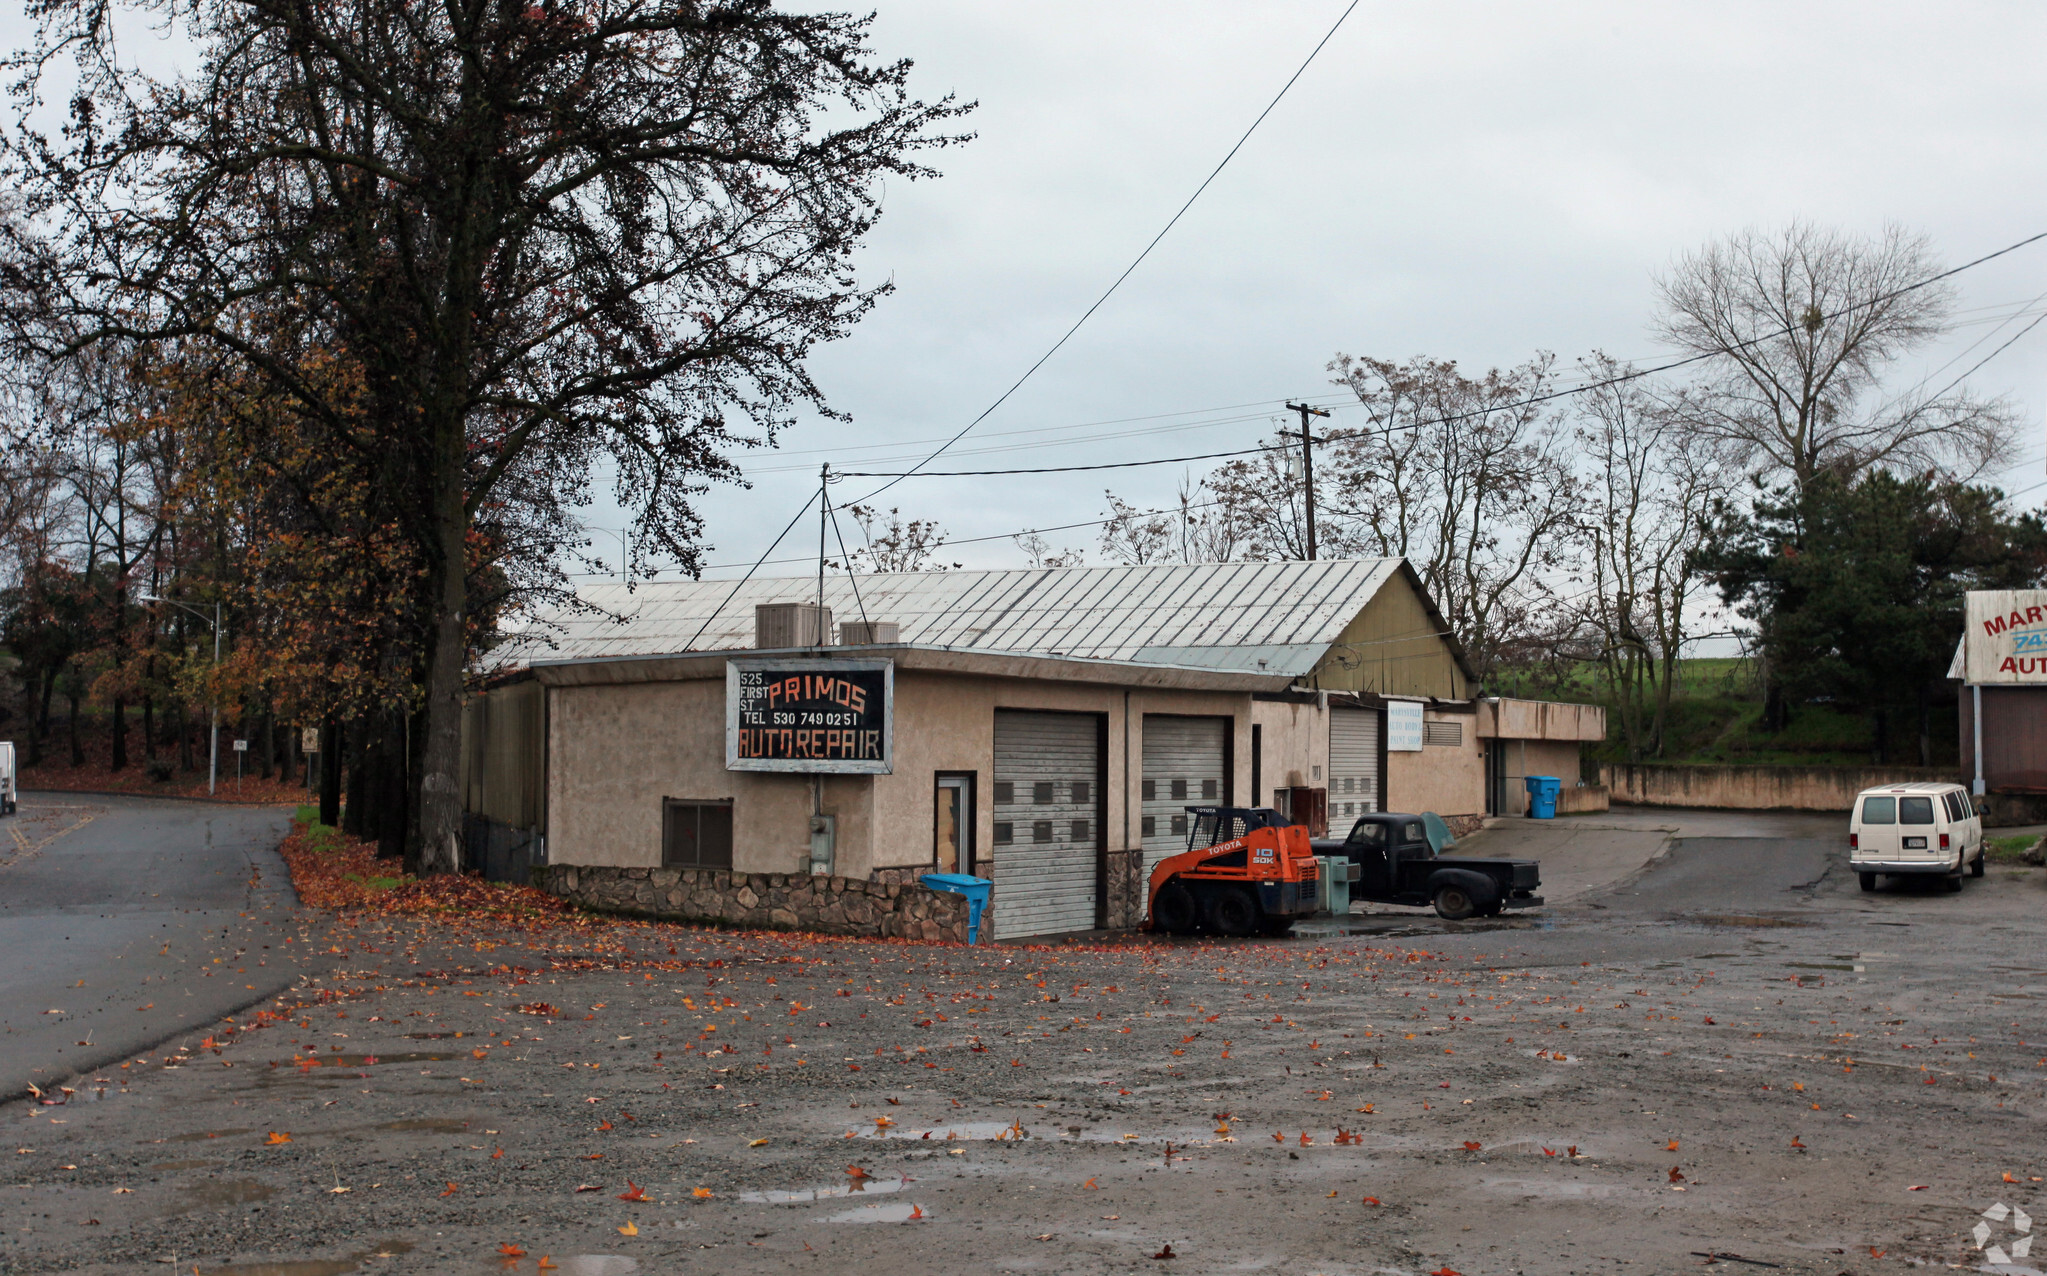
1753, 788
1583, 799
762, 901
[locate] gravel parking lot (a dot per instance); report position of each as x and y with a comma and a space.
1786, 1074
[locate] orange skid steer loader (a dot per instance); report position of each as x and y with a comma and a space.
1245, 871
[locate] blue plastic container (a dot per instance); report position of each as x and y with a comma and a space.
1542, 796
976, 889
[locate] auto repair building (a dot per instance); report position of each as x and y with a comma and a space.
1043, 728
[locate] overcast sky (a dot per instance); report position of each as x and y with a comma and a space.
1461, 180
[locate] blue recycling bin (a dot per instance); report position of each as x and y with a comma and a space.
1542, 796
976, 889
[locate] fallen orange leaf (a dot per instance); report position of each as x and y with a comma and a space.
1670, 1146
701, 1193
1797, 1143
1469, 1146
451, 1189
855, 1172
1676, 1175
511, 1251
278, 1136
629, 1230
1370, 1200
2008, 1178
547, 1264
1091, 1184
633, 1192
916, 1211
497, 1154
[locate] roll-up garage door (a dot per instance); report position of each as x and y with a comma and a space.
1354, 783
1047, 822
1183, 767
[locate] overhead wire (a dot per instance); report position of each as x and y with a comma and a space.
1110, 291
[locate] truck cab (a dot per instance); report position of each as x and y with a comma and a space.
1397, 864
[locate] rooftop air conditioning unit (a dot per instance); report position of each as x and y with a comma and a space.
791, 625
869, 633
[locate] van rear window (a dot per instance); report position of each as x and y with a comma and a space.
1879, 810
1915, 810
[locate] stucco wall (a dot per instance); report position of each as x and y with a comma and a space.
1755, 788
1295, 746
1446, 779
615, 750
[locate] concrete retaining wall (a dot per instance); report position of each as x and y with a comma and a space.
763, 901
1582, 799
1753, 788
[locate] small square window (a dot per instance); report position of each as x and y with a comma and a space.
1041, 830
1151, 790
1080, 828
1179, 826
1211, 789
1080, 792
1149, 826
1179, 790
1005, 793
1041, 793
1005, 833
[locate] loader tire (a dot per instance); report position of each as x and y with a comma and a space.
1173, 911
1234, 913
1453, 903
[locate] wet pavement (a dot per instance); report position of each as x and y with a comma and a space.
1732, 1058
125, 921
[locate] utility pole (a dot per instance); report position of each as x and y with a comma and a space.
1308, 442
824, 510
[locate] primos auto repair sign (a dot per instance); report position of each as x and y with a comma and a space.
2007, 636
813, 716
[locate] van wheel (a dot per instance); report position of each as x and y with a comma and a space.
1233, 912
1453, 904
1868, 880
1954, 884
1976, 868
1173, 911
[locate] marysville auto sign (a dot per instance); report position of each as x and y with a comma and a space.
2007, 637
811, 716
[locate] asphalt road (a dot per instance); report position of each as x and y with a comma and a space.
125, 922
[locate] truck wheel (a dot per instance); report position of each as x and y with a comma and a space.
1868, 880
1173, 911
1954, 884
1234, 913
1976, 869
1453, 903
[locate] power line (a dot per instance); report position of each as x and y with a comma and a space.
1635, 374
1127, 270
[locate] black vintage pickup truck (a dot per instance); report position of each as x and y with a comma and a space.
1397, 865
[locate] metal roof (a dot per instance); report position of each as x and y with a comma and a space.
1201, 615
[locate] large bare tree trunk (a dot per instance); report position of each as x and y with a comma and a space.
440, 790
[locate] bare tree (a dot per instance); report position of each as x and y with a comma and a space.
1648, 493
1038, 553
895, 544
1469, 479
1208, 524
1799, 329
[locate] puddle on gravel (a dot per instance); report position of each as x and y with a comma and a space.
1554, 1056
830, 1192
425, 1125
901, 1212
217, 1194
1014, 1131
183, 1165
366, 1060
312, 1266
1819, 965
1740, 919
200, 1136
1564, 1190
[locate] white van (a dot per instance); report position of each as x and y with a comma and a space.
7, 802
1902, 830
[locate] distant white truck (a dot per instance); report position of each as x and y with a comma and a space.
7, 802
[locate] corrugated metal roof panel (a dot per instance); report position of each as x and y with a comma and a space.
1209, 615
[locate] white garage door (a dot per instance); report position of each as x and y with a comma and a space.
1047, 822
1354, 784
1183, 767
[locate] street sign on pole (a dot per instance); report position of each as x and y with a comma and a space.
309, 739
